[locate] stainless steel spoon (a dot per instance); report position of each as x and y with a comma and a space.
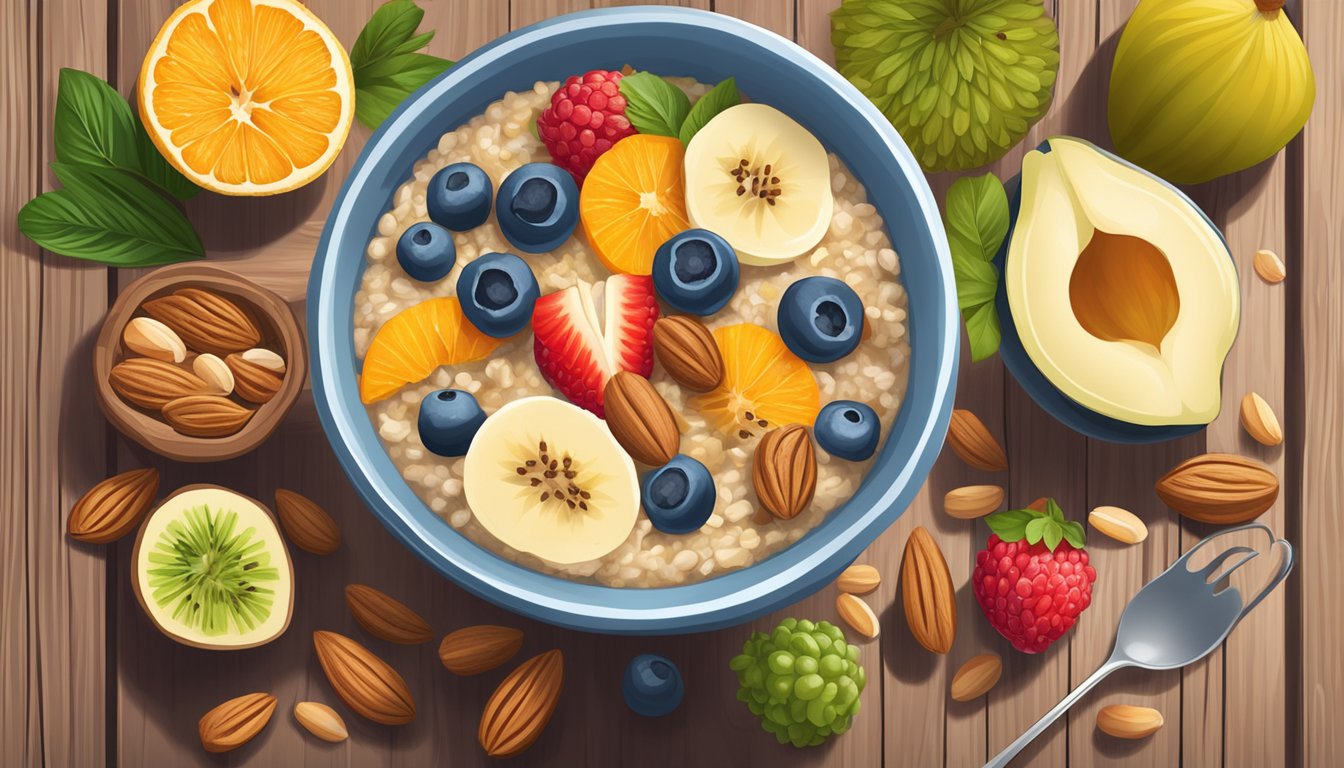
1176, 619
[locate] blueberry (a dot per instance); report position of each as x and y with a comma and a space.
652, 685
426, 252
696, 272
448, 421
679, 496
497, 292
820, 319
537, 207
847, 429
459, 197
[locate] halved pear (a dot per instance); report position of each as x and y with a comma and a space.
1123, 293
761, 181
548, 478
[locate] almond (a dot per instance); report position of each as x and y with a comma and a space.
1259, 420
972, 501
233, 723
267, 359
1125, 721
206, 415
1269, 266
149, 337
254, 383
1219, 488
640, 419
306, 524
857, 615
112, 508
473, 650
927, 593
970, 439
858, 579
520, 707
152, 384
206, 321
214, 372
784, 471
321, 720
1120, 524
687, 351
386, 617
976, 677
366, 683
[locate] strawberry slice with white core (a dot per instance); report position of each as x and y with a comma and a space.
577, 353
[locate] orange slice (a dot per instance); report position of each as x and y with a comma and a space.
633, 201
762, 382
247, 97
416, 341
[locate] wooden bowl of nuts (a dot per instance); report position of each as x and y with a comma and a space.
198, 364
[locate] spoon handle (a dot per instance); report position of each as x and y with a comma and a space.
1006, 756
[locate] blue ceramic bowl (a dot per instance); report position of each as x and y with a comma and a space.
1063, 408
669, 41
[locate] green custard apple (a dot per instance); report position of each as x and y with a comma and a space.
961, 80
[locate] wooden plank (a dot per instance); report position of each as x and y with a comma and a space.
1314, 413
774, 15
53, 445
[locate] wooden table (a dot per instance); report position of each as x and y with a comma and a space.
88, 681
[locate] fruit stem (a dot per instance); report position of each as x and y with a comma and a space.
1269, 7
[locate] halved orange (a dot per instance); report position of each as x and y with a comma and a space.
247, 97
633, 200
764, 384
416, 341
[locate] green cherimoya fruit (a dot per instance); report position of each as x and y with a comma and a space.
961, 80
803, 680
1204, 88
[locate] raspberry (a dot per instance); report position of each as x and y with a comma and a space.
1029, 593
586, 117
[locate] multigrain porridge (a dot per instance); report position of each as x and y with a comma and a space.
463, 385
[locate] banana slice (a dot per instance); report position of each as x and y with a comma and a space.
547, 477
761, 181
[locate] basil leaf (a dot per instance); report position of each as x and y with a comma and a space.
385, 61
977, 216
719, 98
109, 216
1010, 525
157, 170
1073, 533
1054, 533
977, 282
93, 124
654, 105
1052, 509
982, 330
1036, 529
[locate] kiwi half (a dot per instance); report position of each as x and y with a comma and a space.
212, 571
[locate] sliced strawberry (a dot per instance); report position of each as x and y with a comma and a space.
573, 352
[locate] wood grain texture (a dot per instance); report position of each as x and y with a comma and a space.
52, 443
1317, 282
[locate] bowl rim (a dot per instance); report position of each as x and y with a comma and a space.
732, 598
155, 434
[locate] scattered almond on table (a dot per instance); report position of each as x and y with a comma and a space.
522, 705
233, 723
1219, 488
976, 677
858, 579
385, 617
971, 440
858, 615
113, 508
1259, 421
480, 648
1269, 266
927, 593
972, 501
1124, 721
1119, 524
321, 720
306, 524
368, 685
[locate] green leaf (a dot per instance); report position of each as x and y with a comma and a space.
1036, 529
982, 329
654, 105
977, 282
1054, 533
156, 169
1010, 525
93, 124
977, 216
1074, 534
719, 98
1053, 510
109, 216
385, 61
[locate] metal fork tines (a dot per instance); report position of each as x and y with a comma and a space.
1176, 619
